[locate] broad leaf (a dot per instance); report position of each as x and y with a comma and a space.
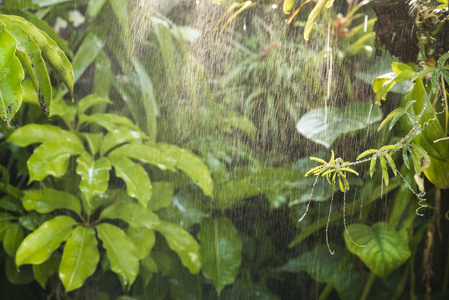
121, 252
52, 158
382, 84
147, 268
94, 175
47, 200
11, 204
46, 269
180, 241
33, 220
324, 126
36, 133
132, 213
94, 7
86, 54
108, 121
79, 259
144, 240
119, 136
138, 184
147, 154
386, 249
220, 252
40, 244
12, 76
13, 237
161, 195
190, 164
89, 101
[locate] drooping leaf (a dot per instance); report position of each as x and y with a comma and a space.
161, 195
13, 237
33, 220
52, 158
119, 136
382, 84
138, 184
21, 276
146, 154
108, 121
386, 249
47, 200
220, 252
79, 259
94, 175
144, 240
86, 53
12, 76
46, 269
180, 241
147, 268
325, 126
11, 204
190, 164
36, 133
40, 244
89, 101
313, 16
132, 213
121, 252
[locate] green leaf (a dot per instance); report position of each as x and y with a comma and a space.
121, 252
86, 54
220, 252
190, 164
415, 161
386, 249
108, 121
144, 240
356, 116
313, 16
47, 200
11, 204
120, 136
30, 56
132, 213
46, 269
94, 7
94, 175
89, 101
59, 107
382, 84
103, 74
33, 220
147, 267
12, 76
35, 133
180, 241
146, 154
40, 244
52, 158
161, 195
93, 140
383, 166
79, 259
13, 237
16, 276
138, 184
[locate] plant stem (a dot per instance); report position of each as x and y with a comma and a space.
368, 286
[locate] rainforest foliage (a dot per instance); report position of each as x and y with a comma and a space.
153, 154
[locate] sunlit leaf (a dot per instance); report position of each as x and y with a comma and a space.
89, 101
121, 252
86, 53
40, 244
324, 126
146, 154
108, 121
47, 200
220, 252
119, 136
52, 158
94, 175
161, 195
386, 249
144, 240
132, 213
79, 259
180, 241
36, 133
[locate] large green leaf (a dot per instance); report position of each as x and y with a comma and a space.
79, 259
325, 125
89, 101
108, 121
47, 200
52, 158
40, 244
220, 252
13, 237
30, 56
386, 249
94, 175
11, 76
94, 7
86, 54
46, 269
119, 136
144, 240
382, 84
121, 252
180, 241
161, 195
36, 133
132, 213
147, 154
190, 164
138, 184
